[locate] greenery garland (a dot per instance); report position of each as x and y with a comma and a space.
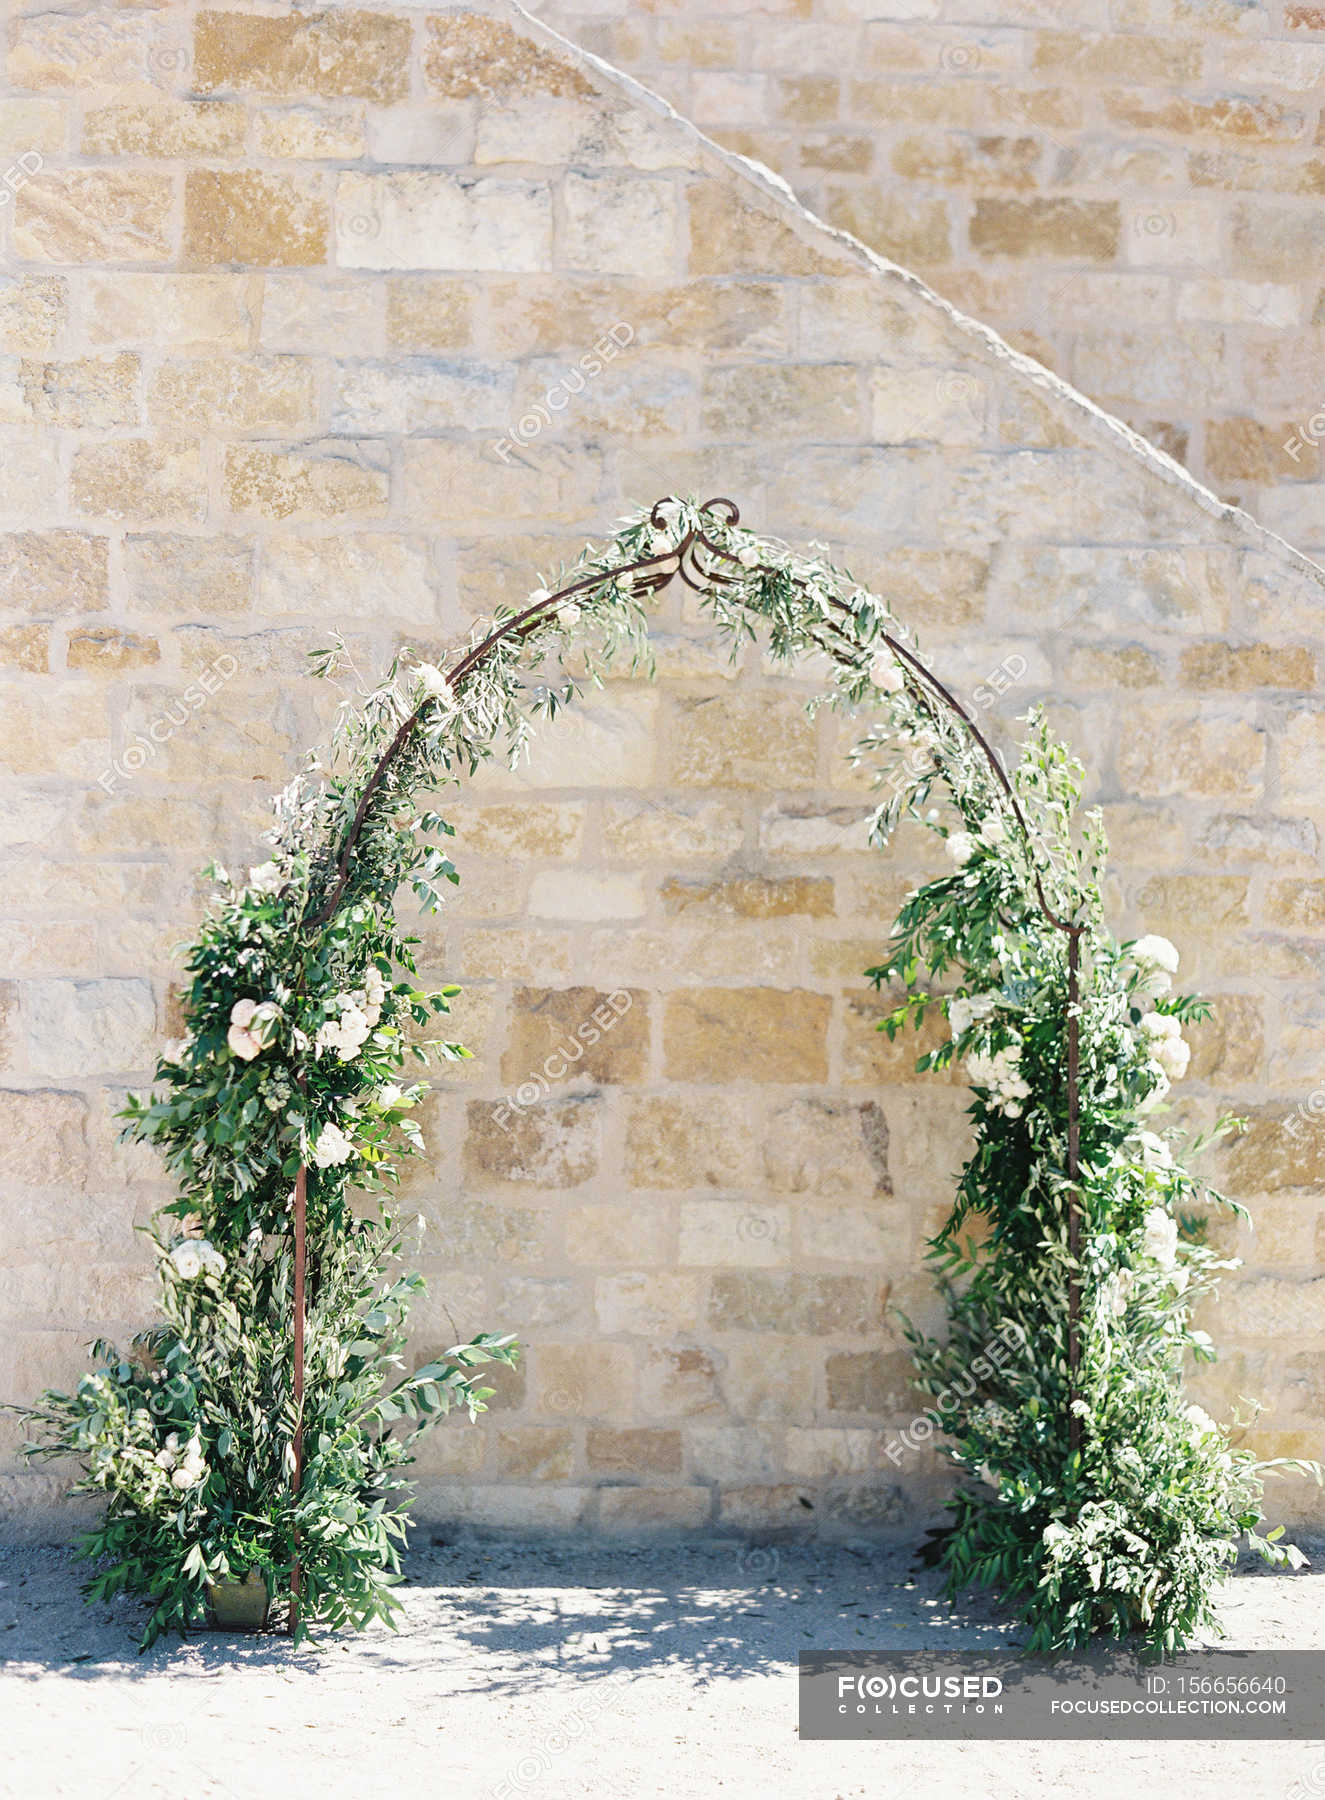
303, 1012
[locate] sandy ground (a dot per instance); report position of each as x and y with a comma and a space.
535, 1672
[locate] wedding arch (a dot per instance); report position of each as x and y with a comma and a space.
250, 1435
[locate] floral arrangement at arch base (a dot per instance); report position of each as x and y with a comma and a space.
1097, 1500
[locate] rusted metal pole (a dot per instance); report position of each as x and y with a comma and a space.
297, 1378
1073, 1176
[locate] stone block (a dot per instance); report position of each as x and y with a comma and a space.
751, 1034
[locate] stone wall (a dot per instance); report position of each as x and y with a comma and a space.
1128, 189
280, 307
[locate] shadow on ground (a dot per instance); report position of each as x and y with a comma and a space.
523, 1610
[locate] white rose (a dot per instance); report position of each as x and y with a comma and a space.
748, 556
267, 878
388, 1097
1160, 1237
374, 986
960, 847
164, 1460
332, 1148
187, 1260
885, 672
213, 1261
1155, 1153
1173, 1055
434, 684
1200, 1419
993, 830
242, 1043
184, 1478
1157, 952
1160, 1025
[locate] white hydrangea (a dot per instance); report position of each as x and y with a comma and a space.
1159, 1236
960, 847
965, 1009
1000, 1074
359, 1013
332, 1148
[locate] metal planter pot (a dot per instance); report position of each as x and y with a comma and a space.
240, 1605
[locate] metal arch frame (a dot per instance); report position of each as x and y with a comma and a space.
696, 559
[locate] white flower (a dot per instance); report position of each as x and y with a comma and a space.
332, 1148
187, 1260
1117, 1291
960, 847
965, 1009
570, 613
252, 1027
267, 878
213, 1261
434, 684
164, 1459
885, 672
186, 1477
1160, 1025
1173, 1055
960, 1016
374, 985
1200, 1420
1155, 1153
388, 1097
1160, 1237
993, 830
1157, 952
538, 596
748, 556
659, 543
